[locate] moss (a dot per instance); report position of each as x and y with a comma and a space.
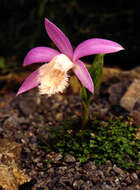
114, 140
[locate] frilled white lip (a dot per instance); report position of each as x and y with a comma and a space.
46, 54
53, 77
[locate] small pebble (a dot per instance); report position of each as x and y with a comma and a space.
69, 158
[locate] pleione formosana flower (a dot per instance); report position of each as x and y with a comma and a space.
52, 76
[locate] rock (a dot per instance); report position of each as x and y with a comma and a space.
101, 174
115, 73
11, 176
77, 183
134, 176
27, 107
137, 105
13, 121
118, 170
10, 150
116, 91
131, 96
69, 158
109, 73
59, 98
61, 170
57, 158
130, 75
136, 117
128, 180
87, 185
90, 166
28, 102
55, 106
124, 88
59, 116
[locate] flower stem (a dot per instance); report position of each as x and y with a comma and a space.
85, 116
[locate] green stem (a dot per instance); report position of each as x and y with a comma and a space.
85, 116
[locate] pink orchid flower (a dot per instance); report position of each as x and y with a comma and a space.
52, 77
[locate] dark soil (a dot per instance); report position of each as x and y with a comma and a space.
24, 118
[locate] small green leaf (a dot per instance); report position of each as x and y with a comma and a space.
83, 94
96, 71
2, 61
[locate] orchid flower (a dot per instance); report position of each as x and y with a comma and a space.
52, 77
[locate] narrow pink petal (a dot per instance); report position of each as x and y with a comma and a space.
59, 38
96, 46
40, 55
30, 82
83, 75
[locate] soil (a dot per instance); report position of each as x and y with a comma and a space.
24, 119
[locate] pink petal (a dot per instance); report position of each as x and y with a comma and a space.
83, 75
40, 54
96, 46
30, 82
59, 38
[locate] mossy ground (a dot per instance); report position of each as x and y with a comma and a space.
99, 141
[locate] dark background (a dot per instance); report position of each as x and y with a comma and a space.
22, 26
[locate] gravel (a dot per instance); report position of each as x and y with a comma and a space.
25, 118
